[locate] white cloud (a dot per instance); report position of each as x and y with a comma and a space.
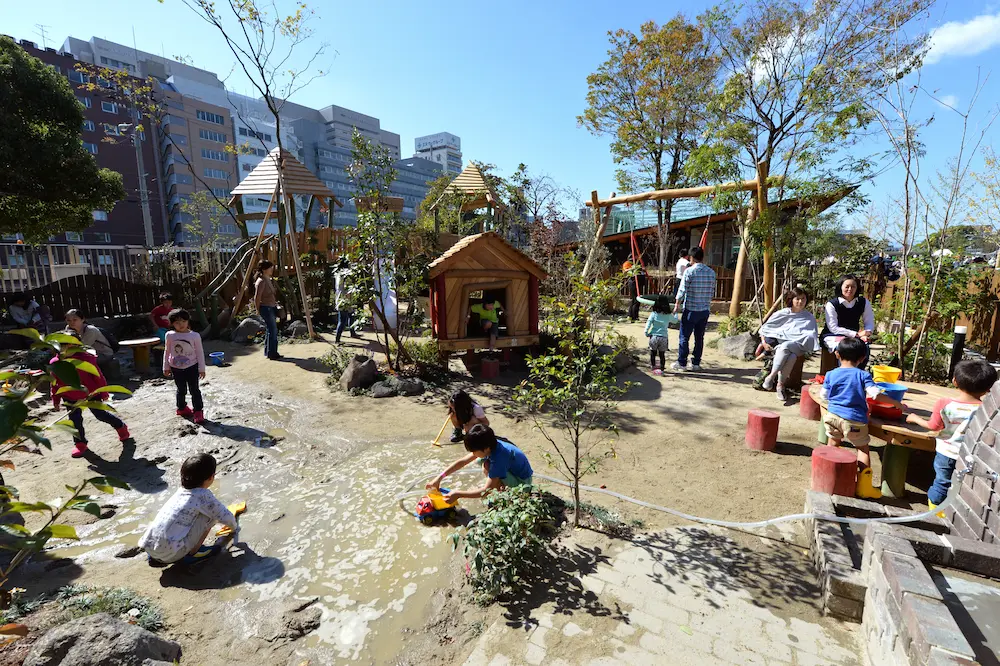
964, 39
947, 101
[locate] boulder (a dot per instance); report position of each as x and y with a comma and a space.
384, 389
622, 359
297, 329
741, 346
101, 640
360, 372
409, 386
247, 330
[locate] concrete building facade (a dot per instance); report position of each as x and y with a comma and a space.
443, 148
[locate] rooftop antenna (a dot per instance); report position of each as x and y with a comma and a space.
41, 31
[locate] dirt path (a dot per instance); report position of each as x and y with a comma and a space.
323, 526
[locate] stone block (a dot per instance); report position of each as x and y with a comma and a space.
988, 437
976, 525
845, 582
908, 575
940, 657
931, 524
929, 624
819, 503
978, 424
976, 557
858, 508
961, 527
989, 457
989, 405
843, 608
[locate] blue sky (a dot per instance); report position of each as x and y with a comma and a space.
508, 78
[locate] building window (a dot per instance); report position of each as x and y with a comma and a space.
104, 259
220, 192
257, 135
183, 178
210, 117
111, 129
109, 107
168, 119
84, 100
102, 238
74, 236
179, 139
90, 147
228, 229
117, 64
217, 155
88, 125
216, 173
209, 135
327, 169
328, 154
247, 167
77, 77
100, 216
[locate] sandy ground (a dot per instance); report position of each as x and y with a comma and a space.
324, 529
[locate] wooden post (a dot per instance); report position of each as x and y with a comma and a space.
329, 212
600, 224
240, 222
762, 170
442, 309
295, 255
237, 302
52, 262
305, 224
533, 305
735, 304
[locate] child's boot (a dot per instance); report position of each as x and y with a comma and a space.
185, 412
123, 433
457, 436
79, 448
199, 417
865, 489
931, 505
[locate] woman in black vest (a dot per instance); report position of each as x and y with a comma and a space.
848, 315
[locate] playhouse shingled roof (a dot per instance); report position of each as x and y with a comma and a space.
472, 182
500, 247
298, 179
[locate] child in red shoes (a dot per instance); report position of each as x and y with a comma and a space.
184, 360
90, 383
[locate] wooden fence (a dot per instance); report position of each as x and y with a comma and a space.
96, 296
724, 280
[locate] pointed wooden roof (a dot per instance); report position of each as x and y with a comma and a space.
298, 179
507, 252
471, 182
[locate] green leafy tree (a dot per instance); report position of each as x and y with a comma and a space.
50, 183
572, 388
17, 426
984, 203
650, 96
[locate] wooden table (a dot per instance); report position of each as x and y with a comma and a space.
899, 437
140, 351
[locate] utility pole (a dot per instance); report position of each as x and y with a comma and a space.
147, 218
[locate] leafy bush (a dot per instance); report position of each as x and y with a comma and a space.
502, 543
425, 355
747, 322
336, 360
120, 602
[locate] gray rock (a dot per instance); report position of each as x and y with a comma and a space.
100, 640
247, 329
384, 389
741, 346
297, 329
622, 360
361, 372
409, 387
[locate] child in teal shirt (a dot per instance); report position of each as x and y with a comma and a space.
656, 330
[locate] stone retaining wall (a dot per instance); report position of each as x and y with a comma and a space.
975, 513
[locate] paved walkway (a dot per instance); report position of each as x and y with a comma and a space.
684, 596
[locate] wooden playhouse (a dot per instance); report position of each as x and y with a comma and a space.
484, 264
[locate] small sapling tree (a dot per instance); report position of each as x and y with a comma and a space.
572, 388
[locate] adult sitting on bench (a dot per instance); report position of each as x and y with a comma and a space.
848, 315
790, 333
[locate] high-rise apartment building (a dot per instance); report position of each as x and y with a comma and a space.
113, 149
443, 148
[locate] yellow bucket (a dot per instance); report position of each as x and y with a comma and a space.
886, 373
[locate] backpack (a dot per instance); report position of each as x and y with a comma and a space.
112, 340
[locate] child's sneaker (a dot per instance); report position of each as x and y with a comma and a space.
199, 417
457, 436
79, 448
123, 433
657, 371
186, 412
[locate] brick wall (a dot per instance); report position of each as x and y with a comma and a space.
975, 513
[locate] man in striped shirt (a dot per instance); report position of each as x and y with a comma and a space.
694, 299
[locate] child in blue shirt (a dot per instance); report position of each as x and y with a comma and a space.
846, 390
656, 330
504, 464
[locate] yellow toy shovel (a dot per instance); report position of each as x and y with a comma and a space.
236, 508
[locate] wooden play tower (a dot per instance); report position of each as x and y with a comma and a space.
282, 177
476, 193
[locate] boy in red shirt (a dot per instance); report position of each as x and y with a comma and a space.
160, 315
950, 418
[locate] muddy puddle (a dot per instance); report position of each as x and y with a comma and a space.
323, 521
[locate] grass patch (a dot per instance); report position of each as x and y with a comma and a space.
119, 602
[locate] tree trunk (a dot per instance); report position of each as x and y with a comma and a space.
763, 168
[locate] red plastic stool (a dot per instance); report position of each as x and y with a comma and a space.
490, 368
762, 430
808, 408
834, 470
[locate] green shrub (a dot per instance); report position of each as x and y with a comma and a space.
425, 355
83, 600
747, 322
336, 360
503, 543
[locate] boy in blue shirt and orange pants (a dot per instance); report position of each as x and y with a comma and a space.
846, 390
504, 465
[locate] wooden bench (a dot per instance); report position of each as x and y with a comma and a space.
140, 351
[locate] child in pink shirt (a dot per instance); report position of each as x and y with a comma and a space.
184, 360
